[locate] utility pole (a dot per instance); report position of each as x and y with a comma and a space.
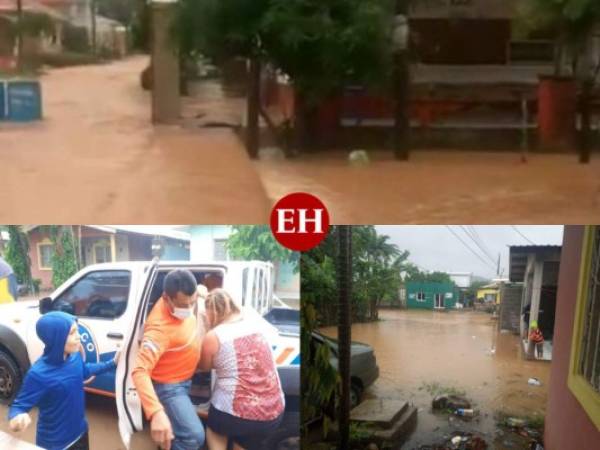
498, 267
344, 281
401, 81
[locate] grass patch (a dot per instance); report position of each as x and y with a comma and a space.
436, 388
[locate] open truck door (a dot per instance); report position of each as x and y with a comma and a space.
129, 406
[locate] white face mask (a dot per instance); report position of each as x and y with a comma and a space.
182, 313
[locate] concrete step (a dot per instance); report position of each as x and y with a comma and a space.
401, 429
380, 412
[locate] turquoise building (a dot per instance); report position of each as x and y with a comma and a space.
429, 295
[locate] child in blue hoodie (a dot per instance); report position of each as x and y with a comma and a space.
55, 385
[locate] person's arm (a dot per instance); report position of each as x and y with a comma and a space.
210, 347
29, 395
154, 344
91, 369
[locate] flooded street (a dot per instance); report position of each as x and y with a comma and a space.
103, 426
421, 352
97, 157
438, 186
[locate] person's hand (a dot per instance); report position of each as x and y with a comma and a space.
161, 431
20, 422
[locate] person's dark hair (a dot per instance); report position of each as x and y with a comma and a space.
179, 280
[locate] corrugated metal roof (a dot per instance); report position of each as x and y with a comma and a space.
518, 258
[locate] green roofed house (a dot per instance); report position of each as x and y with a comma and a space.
429, 295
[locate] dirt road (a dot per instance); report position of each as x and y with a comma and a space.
95, 158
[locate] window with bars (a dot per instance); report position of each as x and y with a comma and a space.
420, 296
589, 358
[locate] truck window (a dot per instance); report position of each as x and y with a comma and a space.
100, 294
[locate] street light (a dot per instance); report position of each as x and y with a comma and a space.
400, 32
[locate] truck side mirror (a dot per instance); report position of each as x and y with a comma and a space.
45, 305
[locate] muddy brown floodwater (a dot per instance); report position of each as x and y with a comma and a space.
101, 414
417, 350
438, 186
96, 158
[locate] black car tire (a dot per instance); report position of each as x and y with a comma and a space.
355, 395
287, 436
10, 378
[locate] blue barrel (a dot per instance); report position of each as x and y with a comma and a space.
24, 100
2, 100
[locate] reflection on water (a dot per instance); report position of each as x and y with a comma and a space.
462, 350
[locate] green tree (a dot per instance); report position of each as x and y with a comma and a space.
378, 266
320, 44
257, 242
572, 20
429, 277
65, 260
17, 255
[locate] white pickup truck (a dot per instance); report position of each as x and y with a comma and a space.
112, 301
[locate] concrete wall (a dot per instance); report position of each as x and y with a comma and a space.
567, 424
202, 240
510, 307
36, 237
176, 251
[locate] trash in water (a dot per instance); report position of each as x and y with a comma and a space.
515, 423
465, 412
358, 158
534, 382
452, 402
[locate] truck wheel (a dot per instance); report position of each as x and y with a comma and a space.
287, 436
10, 378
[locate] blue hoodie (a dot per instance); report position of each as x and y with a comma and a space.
55, 385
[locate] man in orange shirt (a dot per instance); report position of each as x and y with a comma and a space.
166, 362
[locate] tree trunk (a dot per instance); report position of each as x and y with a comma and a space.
20, 35
93, 14
374, 312
344, 275
586, 129
305, 126
253, 103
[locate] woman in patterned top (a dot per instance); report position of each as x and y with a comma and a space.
247, 401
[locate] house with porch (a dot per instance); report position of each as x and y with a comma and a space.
573, 414
537, 267
102, 243
429, 295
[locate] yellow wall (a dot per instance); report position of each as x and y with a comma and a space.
482, 292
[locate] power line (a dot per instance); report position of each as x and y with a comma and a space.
522, 235
476, 234
477, 244
470, 249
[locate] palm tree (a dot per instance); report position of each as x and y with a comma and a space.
344, 278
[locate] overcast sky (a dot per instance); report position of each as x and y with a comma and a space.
434, 247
